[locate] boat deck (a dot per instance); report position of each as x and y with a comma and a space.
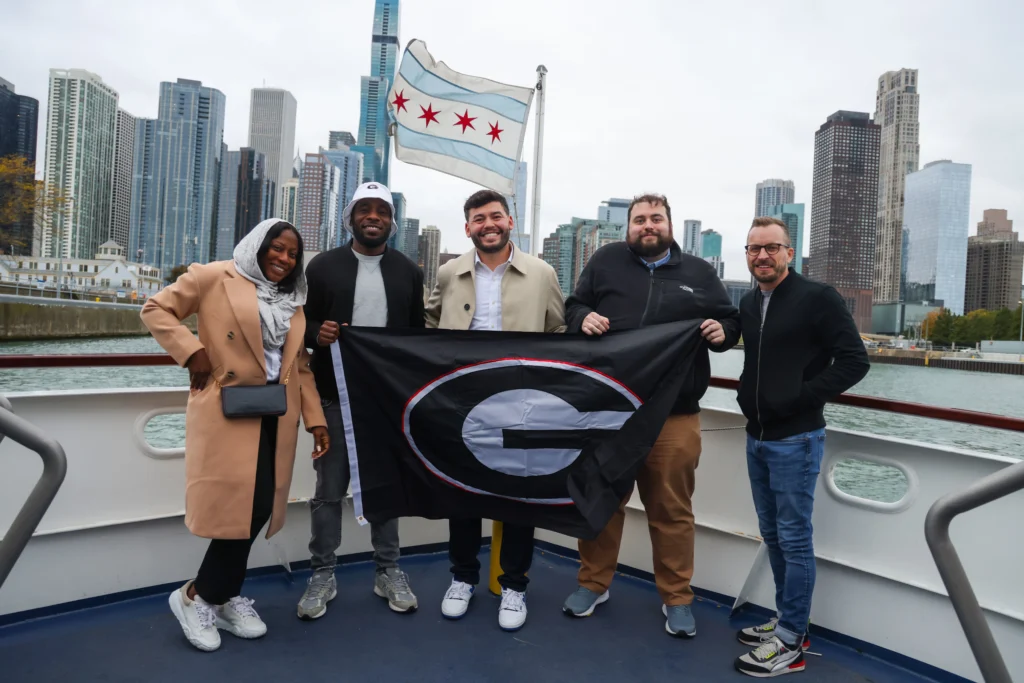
361, 639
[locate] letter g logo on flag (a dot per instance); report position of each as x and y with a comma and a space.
514, 427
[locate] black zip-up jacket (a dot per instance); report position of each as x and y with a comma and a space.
618, 285
331, 282
807, 352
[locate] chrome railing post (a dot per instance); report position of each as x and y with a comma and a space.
961, 594
55, 466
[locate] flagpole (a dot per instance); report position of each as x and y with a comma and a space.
538, 240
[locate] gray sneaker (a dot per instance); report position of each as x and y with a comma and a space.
679, 621
393, 584
583, 601
322, 588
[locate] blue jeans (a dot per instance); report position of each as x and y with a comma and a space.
783, 475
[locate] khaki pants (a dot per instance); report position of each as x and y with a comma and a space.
666, 483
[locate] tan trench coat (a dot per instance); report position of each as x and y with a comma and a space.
531, 300
221, 453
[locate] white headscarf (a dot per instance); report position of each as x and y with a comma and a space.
276, 307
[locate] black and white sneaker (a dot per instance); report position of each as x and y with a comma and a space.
755, 636
773, 658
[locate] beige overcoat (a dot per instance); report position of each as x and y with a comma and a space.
221, 453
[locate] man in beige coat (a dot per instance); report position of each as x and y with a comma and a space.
493, 287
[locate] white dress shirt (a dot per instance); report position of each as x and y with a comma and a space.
273, 360
487, 314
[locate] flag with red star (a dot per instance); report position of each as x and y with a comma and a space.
466, 126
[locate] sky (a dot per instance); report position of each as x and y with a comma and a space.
696, 100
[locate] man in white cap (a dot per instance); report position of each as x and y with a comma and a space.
364, 284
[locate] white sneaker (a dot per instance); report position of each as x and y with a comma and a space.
197, 619
239, 618
512, 614
456, 600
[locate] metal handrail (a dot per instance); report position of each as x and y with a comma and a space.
55, 466
936, 531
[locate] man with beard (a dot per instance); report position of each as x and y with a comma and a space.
493, 287
365, 284
801, 349
646, 281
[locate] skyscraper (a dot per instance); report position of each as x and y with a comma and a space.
570, 247
177, 174
272, 131
289, 201
793, 216
256, 192
19, 121
319, 187
995, 262
843, 209
691, 237
121, 187
614, 211
81, 131
773, 192
896, 112
430, 250
339, 139
409, 244
517, 209
374, 88
936, 216
399, 199
348, 165
227, 203
711, 250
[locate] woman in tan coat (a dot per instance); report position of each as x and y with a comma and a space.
238, 469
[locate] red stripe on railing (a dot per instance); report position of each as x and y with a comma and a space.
885, 405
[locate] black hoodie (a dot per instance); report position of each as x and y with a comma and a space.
618, 285
807, 352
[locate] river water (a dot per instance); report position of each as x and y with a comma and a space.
984, 392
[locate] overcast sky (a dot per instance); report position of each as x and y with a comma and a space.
696, 100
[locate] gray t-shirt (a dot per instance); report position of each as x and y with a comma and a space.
370, 308
765, 297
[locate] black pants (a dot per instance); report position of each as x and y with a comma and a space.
222, 572
516, 553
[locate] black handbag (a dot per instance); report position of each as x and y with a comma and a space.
257, 400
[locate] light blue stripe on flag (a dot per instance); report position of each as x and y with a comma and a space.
435, 86
466, 151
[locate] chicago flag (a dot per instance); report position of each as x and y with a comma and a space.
465, 126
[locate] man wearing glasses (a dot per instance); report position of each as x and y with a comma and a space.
801, 349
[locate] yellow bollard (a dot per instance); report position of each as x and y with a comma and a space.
492, 581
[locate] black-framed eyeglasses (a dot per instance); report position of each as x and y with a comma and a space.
772, 249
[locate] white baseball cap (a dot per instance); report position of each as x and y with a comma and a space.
370, 191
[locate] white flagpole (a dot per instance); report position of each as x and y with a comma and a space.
538, 240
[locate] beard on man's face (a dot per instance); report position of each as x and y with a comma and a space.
642, 244
478, 241
359, 233
758, 268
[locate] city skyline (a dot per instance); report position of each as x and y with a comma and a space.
733, 152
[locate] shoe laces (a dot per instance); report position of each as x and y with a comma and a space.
399, 581
513, 600
204, 613
243, 607
458, 591
769, 626
319, 585
769, 649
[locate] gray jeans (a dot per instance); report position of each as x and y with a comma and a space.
332, 480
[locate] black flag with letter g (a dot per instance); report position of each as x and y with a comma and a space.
545, 430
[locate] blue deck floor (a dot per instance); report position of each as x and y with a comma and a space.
360, 639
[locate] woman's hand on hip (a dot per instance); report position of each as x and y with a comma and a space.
321, 441
199, 369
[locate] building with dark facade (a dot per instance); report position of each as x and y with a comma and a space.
19, 122
256, 191
995, 263
844, 209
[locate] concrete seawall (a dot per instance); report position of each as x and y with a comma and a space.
22, 321
941, 359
